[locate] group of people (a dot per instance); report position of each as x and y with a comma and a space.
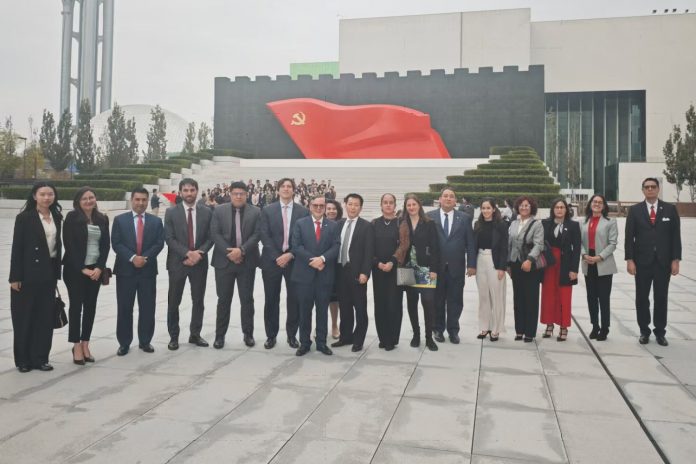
327, 260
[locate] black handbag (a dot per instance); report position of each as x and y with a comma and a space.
61, 319
106, 276
545, 258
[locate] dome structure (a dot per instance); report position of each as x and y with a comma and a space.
176, 126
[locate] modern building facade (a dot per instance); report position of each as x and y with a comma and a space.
613, 87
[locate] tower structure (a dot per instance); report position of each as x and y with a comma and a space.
94, 69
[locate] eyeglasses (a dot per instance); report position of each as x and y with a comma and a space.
238, 194
649, 187
598, 202
317, 206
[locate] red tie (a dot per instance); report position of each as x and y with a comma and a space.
191, 243
139, 236
317, 231
652, 214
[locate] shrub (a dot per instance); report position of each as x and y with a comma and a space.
493, 179
544, 199
511, 166
505, 149
488, 187
507, 172
142, 178
160, 173
126, 185
517, 161
65, 195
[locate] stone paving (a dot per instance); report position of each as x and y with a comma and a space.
477, 402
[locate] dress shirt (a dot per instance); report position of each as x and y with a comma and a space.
51, 232
135, 226
350, 238
289, 209
442, 220
648, 205
193, 217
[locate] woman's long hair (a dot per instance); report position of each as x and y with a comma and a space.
588, 208
339, 209
497, 217
97, 216
568, 214
30, 204
421, 212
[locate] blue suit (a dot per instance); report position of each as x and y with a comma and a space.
132, 281
314, 287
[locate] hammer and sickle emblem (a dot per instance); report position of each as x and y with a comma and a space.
298, 119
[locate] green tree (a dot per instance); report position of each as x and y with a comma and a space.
190, 139
680, 156
63, 151
156, 136
204, 135
85, 151
115, 144
8, 146
132, 141
689, 156
47, 136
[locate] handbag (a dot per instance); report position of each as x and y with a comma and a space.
545, 258
106, 276
405, 276
60, 319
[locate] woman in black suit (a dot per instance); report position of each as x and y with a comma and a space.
86, 237
334, 211
34, 272
424, 258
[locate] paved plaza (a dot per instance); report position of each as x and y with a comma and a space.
480, 402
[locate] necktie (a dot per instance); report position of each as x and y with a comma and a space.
652, 214
191, 243
317, 230
139, 236
346, 241
238, 227
286, 232
446, 225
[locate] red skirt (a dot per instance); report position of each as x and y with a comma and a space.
555, 299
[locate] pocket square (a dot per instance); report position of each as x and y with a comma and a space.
665, 219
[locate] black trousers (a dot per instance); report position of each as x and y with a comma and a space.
32, 310
525, 289
656, 276
598, 296
127, 287
427, 297
272, 281
82, 292
197, 277
449, 301
317, 297
352, 302
389, 309
224, 284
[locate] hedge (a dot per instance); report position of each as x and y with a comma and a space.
65, 195
229, 152
126, 185
510, 166
160, 173
173, 161
505, 149
507, 172
517, 161
170, 167
142, 178
543, 199
518, 158
488, 187
493, 179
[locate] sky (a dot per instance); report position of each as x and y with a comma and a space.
168, 52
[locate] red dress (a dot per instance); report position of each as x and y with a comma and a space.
555, 298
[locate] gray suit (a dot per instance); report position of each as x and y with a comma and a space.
606, 238
226, 271
598, 278
176, 236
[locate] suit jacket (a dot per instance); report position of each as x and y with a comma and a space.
75, 241
606, 238
570, 247
426, 242
362, 246
271, 231
176, 235
646, 243
458, 251
221, 232
305, 247
30, 261
517, 247
123, 241
499, 247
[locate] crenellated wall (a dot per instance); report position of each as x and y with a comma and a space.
472, 111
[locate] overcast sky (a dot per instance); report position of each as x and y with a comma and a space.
168, 52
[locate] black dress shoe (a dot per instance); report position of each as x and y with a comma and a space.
23, 369
381, 345
198, 341
270, 343
594, 332
602, 335
662, 341
146, 347
432, 346
415, 341
122, 350
438, 336
528, 339
518, 337
454, 339
249, 341
388, 347
301, 351
173, 344
356, 348
219, 342
292, 341
45, 367
326, 350
644, 339
340, 343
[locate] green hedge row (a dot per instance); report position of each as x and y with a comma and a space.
160, 173
488, 187
126, 185
170, 167
506, 148
65, 195
520, 156
173, 161
493, 179
507, 172
228, 152
141, 178
516, 162
543, 199
511, 167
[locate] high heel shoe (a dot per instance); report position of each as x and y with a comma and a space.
549, 331
563, 335
494, 338
79, 362
483, 334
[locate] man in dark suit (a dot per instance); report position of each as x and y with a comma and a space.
652, 250
354, 265
187, 233
235, 232
315, 246
277, 221
457, 253
137, 238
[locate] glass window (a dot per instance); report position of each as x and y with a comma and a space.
611, 128
574, 142
637, 137
623, 122
599, 143
586, 141
562, 174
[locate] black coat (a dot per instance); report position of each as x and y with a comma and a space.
30, 261
645, 242
570, 247
499, 247
75, 241
426, 242
362, 246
